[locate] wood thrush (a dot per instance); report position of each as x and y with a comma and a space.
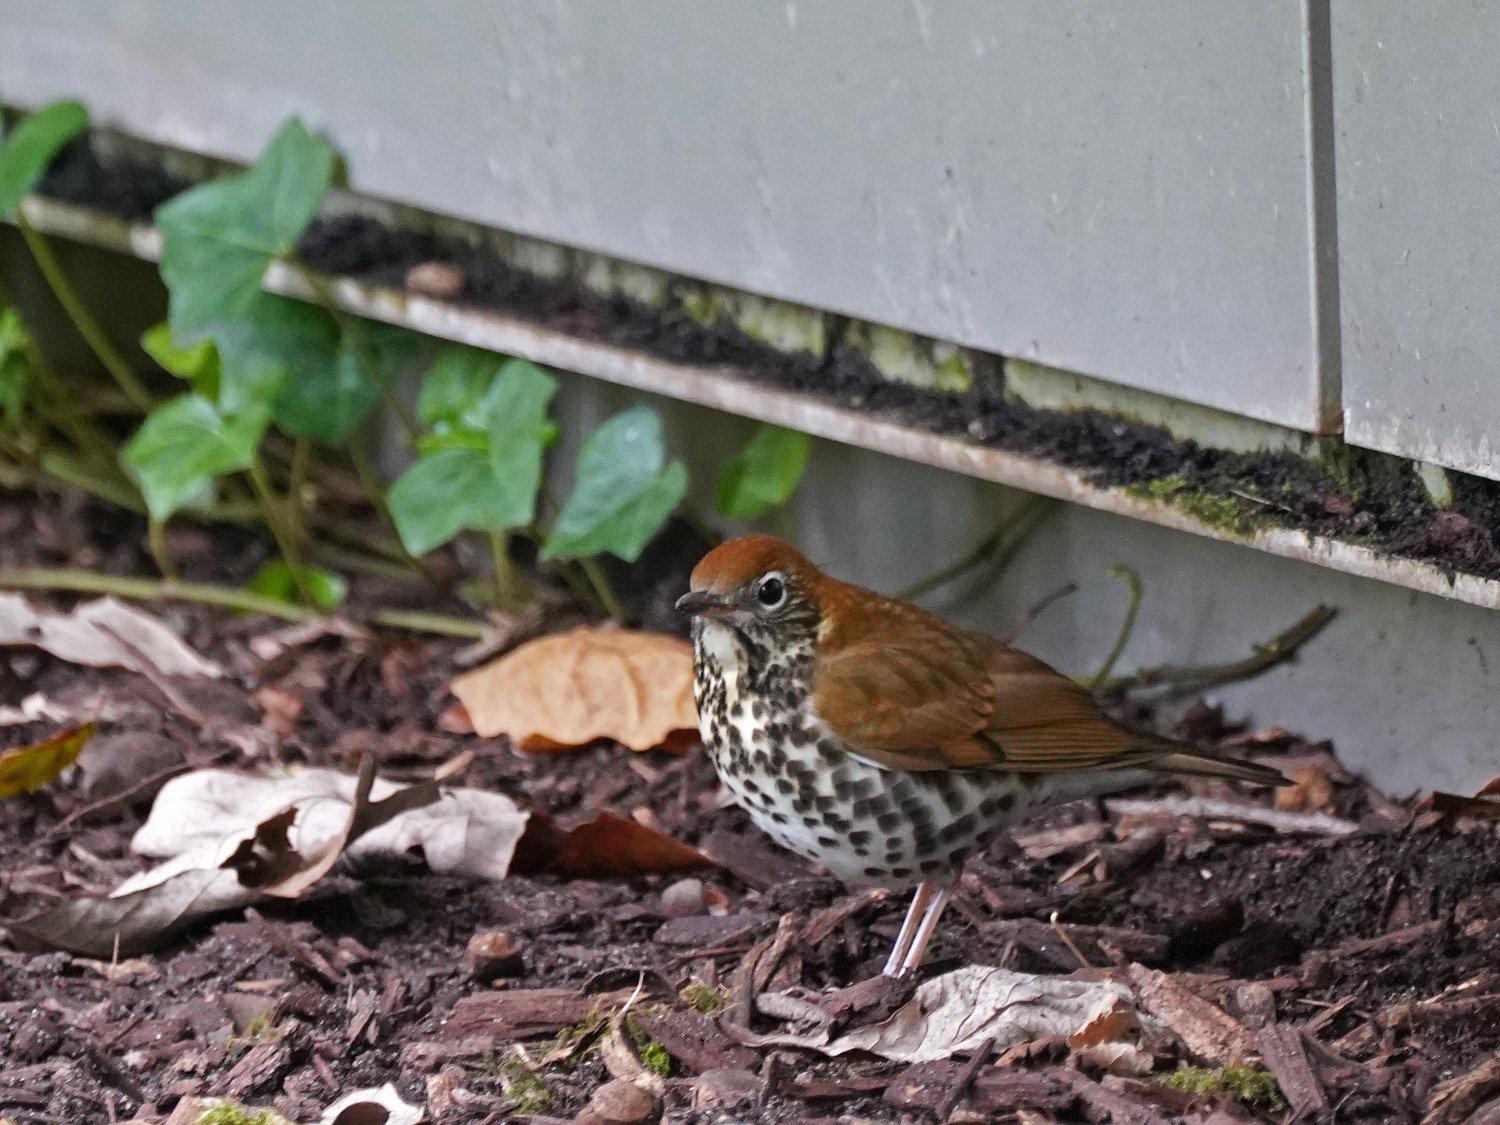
885, 743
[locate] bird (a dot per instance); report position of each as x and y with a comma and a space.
885, 743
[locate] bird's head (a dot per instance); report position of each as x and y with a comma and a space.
756, 585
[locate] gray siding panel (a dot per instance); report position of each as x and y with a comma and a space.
1116, 188
1417, 100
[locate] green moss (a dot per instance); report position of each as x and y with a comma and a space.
1254, 1086
1224, 513
575, 1041
703, 308
232, 1113
654, 1057
704, 997
524, 1088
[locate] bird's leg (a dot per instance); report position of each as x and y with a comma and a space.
916, 929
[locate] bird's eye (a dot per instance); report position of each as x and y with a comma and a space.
771, 592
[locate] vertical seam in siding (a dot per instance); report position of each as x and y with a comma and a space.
1323, 192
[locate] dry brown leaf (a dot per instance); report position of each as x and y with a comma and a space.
570, 689
29, 767
607, 847
1311, 790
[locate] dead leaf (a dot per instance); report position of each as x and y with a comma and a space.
134, 922
230, 840
570, 689
606, 847
100, 634
1311, 790
30, 767
375, 1106
971, 1007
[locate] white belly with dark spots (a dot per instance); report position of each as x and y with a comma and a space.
863, 822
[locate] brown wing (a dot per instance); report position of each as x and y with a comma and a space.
958, 699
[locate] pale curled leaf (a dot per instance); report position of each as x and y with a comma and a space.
380, 1105
232, 840
570, 689
100, 634
966, 1009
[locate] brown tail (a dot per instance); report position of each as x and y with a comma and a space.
1202, 765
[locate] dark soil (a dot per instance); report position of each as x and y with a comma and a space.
1374, 952
1366, 498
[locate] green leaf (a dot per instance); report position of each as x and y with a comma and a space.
457, 380
519, 433
330, 401
26, 152
444, 493
764, 474
276, 580
622, 494
275, 343
218, 239
197, 363
15, 365
184, 444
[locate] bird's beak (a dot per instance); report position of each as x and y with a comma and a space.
704, 603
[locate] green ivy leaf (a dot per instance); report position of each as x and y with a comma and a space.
218, 239
329, 402
15, 365
198, 363
458, 379
31, 147
764, 474
444, 493
515, 409
276, 342
184, 444
622, 494
276, 580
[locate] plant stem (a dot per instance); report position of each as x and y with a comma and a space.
156, 540
1281, 648
1132, 581
83, 320
601, 587
349, 327
375, 493
204, 593
1027, 517
270, 506
511, 591
296, 488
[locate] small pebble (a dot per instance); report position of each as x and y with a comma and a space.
435, 279
618, 1103
683, 899
494, 953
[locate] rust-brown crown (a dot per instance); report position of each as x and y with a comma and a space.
738, 562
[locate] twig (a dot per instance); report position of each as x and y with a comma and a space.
1278, 650
83, 320
1083, 961
1133, 583
1206, 808
1023, 521
203, 593
964, 1080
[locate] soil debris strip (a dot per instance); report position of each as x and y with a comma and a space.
1262, 962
